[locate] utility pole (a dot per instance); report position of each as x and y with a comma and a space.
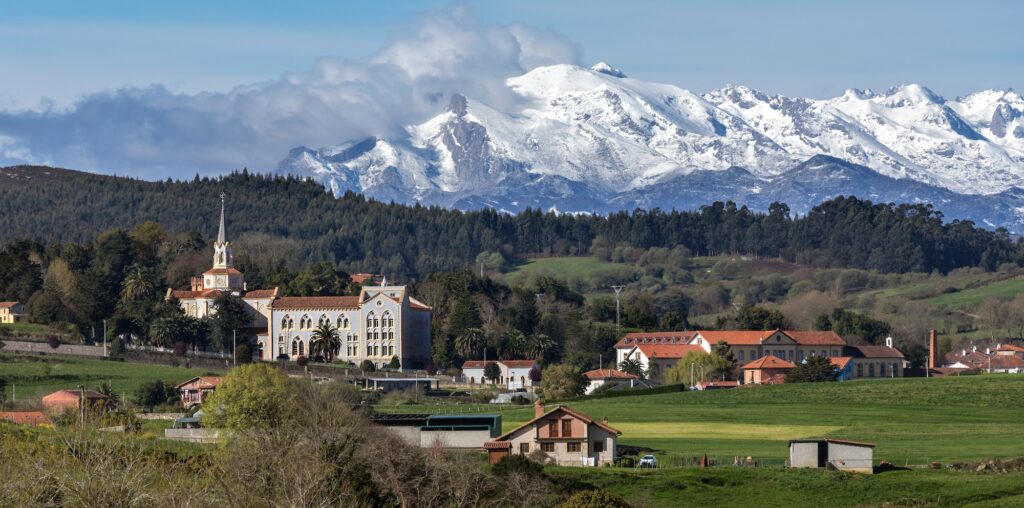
234, 347
81, 403
618, 290
104, 338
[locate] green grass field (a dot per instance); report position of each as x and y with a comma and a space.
1005, 289
768, 487
912, 421
34, 375
566, 267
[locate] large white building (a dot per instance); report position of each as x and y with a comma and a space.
381, 323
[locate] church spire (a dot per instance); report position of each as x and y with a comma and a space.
222, 236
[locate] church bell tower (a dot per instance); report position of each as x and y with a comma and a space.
223, 276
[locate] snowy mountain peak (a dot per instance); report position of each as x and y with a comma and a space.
604, 68
585, 139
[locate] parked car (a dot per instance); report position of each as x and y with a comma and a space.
648, 461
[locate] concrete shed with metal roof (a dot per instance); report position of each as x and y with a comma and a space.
832, 454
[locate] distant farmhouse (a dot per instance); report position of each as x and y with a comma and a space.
380, 323
561, 435
658, 351
1004, 358
12, 312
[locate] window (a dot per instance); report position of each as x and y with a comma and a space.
598, 446
566, 428
741, 355
524, 448
871, 370
343, 323
799, 356
301, 348
895, 369
369, 350
553, 428
789, 355
295, 348
547, 447
572, 447
860, 369
284, 322
324, 320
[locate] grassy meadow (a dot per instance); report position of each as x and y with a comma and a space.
36, 375
912, 421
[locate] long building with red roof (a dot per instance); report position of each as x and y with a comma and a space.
382, 323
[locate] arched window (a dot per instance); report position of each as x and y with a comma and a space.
302, 350
386, 319
295, 348
280, 345
370, 318
324, 320
369, 350
343, 322
284, 322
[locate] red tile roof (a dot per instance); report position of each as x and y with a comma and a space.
841, 362
203, 382
632, 339
1006, 362
814, 338
876, 352
575, 414
7, 305
769, 362
222, 271
479, 364
608, 374
261, 293
25, 417
185, 294
1002, 347
736, 337
476, 364
316, 302
668, 350
418, 305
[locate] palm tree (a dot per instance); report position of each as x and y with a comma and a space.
632, 366
166, 331
325, 342
540, 346
470, 342
137, 285
513, 344
110, 400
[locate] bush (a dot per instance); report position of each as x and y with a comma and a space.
367, 366
53, 341
517, 463
302, 361
180, 348
595, 499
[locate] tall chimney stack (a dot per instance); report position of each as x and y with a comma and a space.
933, 350
538, 408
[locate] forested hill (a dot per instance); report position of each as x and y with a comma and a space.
48, 205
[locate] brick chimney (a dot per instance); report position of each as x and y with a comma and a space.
538, 408
933, 350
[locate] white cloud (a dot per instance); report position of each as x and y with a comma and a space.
154, 133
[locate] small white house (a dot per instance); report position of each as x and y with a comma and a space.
832, 454
601, 377
514, 374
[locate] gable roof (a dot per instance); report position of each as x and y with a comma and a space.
815, 338
203, 382
1010, 347
736, 337
1006, 362
671, 351
261, 293
841, 362
25, 417
512, 364
769, 362
89, 394
565, 409
7, 305
876, 352
315, 302
631, 339
184, 294
609, 374
222, 271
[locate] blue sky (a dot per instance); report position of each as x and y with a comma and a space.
156, 89
63, 49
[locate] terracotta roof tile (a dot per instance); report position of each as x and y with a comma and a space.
222, 271
261, 293
668, 350
316, 302
841, 362
632, 339
565, 409
816, 338
7, 305
608, 374
876, 352
769, 362
736, 337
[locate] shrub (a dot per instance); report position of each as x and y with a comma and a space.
595, 499
53, 341
302, 361
367, 366
180, 348
517, 463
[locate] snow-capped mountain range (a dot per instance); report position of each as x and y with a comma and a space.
582, 140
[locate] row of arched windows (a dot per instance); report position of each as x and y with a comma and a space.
305, 323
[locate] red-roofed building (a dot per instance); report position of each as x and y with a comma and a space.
381, 323
62, 400
12, 312
790, 345
601, 377
514, 374
658, 358
195, 390
567, 437
716, 385
25, 417
760, 371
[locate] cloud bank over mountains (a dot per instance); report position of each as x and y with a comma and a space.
154, 133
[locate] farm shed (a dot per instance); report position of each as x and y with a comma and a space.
833, 454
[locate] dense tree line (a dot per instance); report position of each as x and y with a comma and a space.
293, 220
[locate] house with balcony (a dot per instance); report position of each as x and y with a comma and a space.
560, 436
194, 391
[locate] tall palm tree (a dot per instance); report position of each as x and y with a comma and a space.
540, 346
111, 400
326, 341
137, 285
470, 342
632, 366
513, 344
166, 331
